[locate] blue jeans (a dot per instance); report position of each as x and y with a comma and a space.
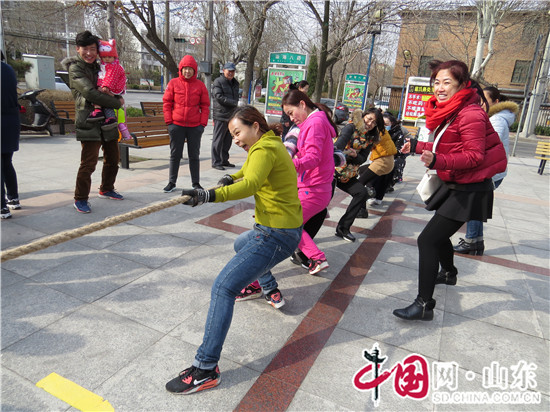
258, 251
474, 228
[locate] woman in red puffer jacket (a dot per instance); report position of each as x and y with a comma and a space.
186, 106
467, 155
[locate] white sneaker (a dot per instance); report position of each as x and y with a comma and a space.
373, 201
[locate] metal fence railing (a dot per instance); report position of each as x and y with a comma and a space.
543, 118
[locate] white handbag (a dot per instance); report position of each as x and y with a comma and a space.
428, 185
431, 182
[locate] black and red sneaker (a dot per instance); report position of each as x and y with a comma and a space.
193, 380
252, 291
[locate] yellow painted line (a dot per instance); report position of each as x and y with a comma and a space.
73, 394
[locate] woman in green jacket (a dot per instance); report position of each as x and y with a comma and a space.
269, 174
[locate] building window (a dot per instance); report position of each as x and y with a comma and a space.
423, 68
431, 32
521, 69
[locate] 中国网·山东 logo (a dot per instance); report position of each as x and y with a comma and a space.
412, 376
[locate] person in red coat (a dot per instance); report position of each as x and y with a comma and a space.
186, 106
468, 154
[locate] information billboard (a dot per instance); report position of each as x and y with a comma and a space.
418, 92
353, 95
278, 81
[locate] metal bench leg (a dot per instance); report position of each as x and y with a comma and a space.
124, 156
61, 127
541, 167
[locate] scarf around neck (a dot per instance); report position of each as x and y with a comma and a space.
438, 112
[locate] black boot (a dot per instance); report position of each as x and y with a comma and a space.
419, 310
363, 214
480, 248
470, 248
344, 234
446, 277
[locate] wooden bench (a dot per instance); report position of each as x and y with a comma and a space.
542, 152
64, 113
146, 132
151, 108
413, 130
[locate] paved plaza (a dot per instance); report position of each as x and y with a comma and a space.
121, 311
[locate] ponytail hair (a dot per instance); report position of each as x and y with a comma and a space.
495, 94
298, 85
249, 115
294, 97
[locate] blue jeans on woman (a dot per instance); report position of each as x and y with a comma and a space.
258, 251
474, 228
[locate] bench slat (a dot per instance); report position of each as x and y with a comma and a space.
149, 131
151, 108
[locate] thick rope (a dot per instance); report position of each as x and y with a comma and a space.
92, 227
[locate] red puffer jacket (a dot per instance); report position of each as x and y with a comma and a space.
186, 101
470, 150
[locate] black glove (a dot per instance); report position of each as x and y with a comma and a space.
226, 180
198, 196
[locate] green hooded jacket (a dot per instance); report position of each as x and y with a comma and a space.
83, 84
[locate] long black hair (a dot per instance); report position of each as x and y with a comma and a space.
294, 97
249, 115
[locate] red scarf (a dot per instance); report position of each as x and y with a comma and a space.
439, 112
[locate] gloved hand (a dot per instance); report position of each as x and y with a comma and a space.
198, 196
339, 158
290, 144
226, 180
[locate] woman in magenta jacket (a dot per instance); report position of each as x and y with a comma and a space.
186, 106
314, 162
468, 154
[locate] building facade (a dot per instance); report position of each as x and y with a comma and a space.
452, 34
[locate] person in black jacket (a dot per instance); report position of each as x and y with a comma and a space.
10, 139
225, 90
383, 184
355, 141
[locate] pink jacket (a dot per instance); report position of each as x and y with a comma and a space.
112, 76
314, 160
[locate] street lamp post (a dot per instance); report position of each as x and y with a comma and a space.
373, 31
406, 64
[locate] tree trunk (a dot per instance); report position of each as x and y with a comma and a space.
330, 81
322, 67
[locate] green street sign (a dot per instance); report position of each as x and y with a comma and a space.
288, 58
355, 77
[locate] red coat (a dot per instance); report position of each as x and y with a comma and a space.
470, 150
112, 76
186, 102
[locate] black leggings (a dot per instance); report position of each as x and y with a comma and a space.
435, 248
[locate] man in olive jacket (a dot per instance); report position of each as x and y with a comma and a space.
83, 71
225, 91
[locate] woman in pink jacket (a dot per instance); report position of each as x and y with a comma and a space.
186, 106
467, 155
314, 162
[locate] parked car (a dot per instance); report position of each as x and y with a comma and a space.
60, 85
341, 114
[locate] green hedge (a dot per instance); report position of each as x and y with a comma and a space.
133, 112
539, 130
542, 130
